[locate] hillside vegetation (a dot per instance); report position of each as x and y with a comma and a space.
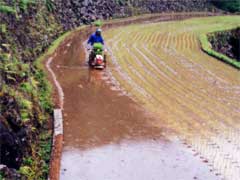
223, 45
26, 30
229, 5
227, 42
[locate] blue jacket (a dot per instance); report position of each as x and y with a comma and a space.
95, 39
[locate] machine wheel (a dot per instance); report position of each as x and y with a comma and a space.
105, 60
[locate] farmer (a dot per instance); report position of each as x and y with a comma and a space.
95, 38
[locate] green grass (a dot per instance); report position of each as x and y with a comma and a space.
212, 25
3, 28
216, 24
1, 176
206, 47
26, 87
40, 75
30, 164
50, 5
23, 4
39, 61
7, 9
98, 23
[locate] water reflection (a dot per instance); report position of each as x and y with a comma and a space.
131, 160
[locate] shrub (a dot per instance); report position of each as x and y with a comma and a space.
229, 5
23, 4
26, 87
121, 2
7, 9
3, 28
50, 5
98, 23
24, 116
25, 104
44, 90
27, 171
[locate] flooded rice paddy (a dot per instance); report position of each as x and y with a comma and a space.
161, 110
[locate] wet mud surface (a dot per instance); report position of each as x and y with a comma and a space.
134, 160
107, 135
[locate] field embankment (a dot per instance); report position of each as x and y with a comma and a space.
227, 42
223, 45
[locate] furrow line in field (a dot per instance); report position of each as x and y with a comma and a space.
193, 46
197, 67
145, 85
139, 80
169, 34
189, 42
144, 68
178, 40
157, 38
227, 100
207, 75
197, 92
180, 92
123, 74
160, 61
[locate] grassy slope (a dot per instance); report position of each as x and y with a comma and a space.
233, 22
206, 46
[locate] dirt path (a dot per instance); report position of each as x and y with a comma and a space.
109, 136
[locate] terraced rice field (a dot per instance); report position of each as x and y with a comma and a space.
194, 96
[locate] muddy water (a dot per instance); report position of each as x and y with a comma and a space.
107, 135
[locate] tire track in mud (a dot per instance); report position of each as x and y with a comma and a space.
195, 98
